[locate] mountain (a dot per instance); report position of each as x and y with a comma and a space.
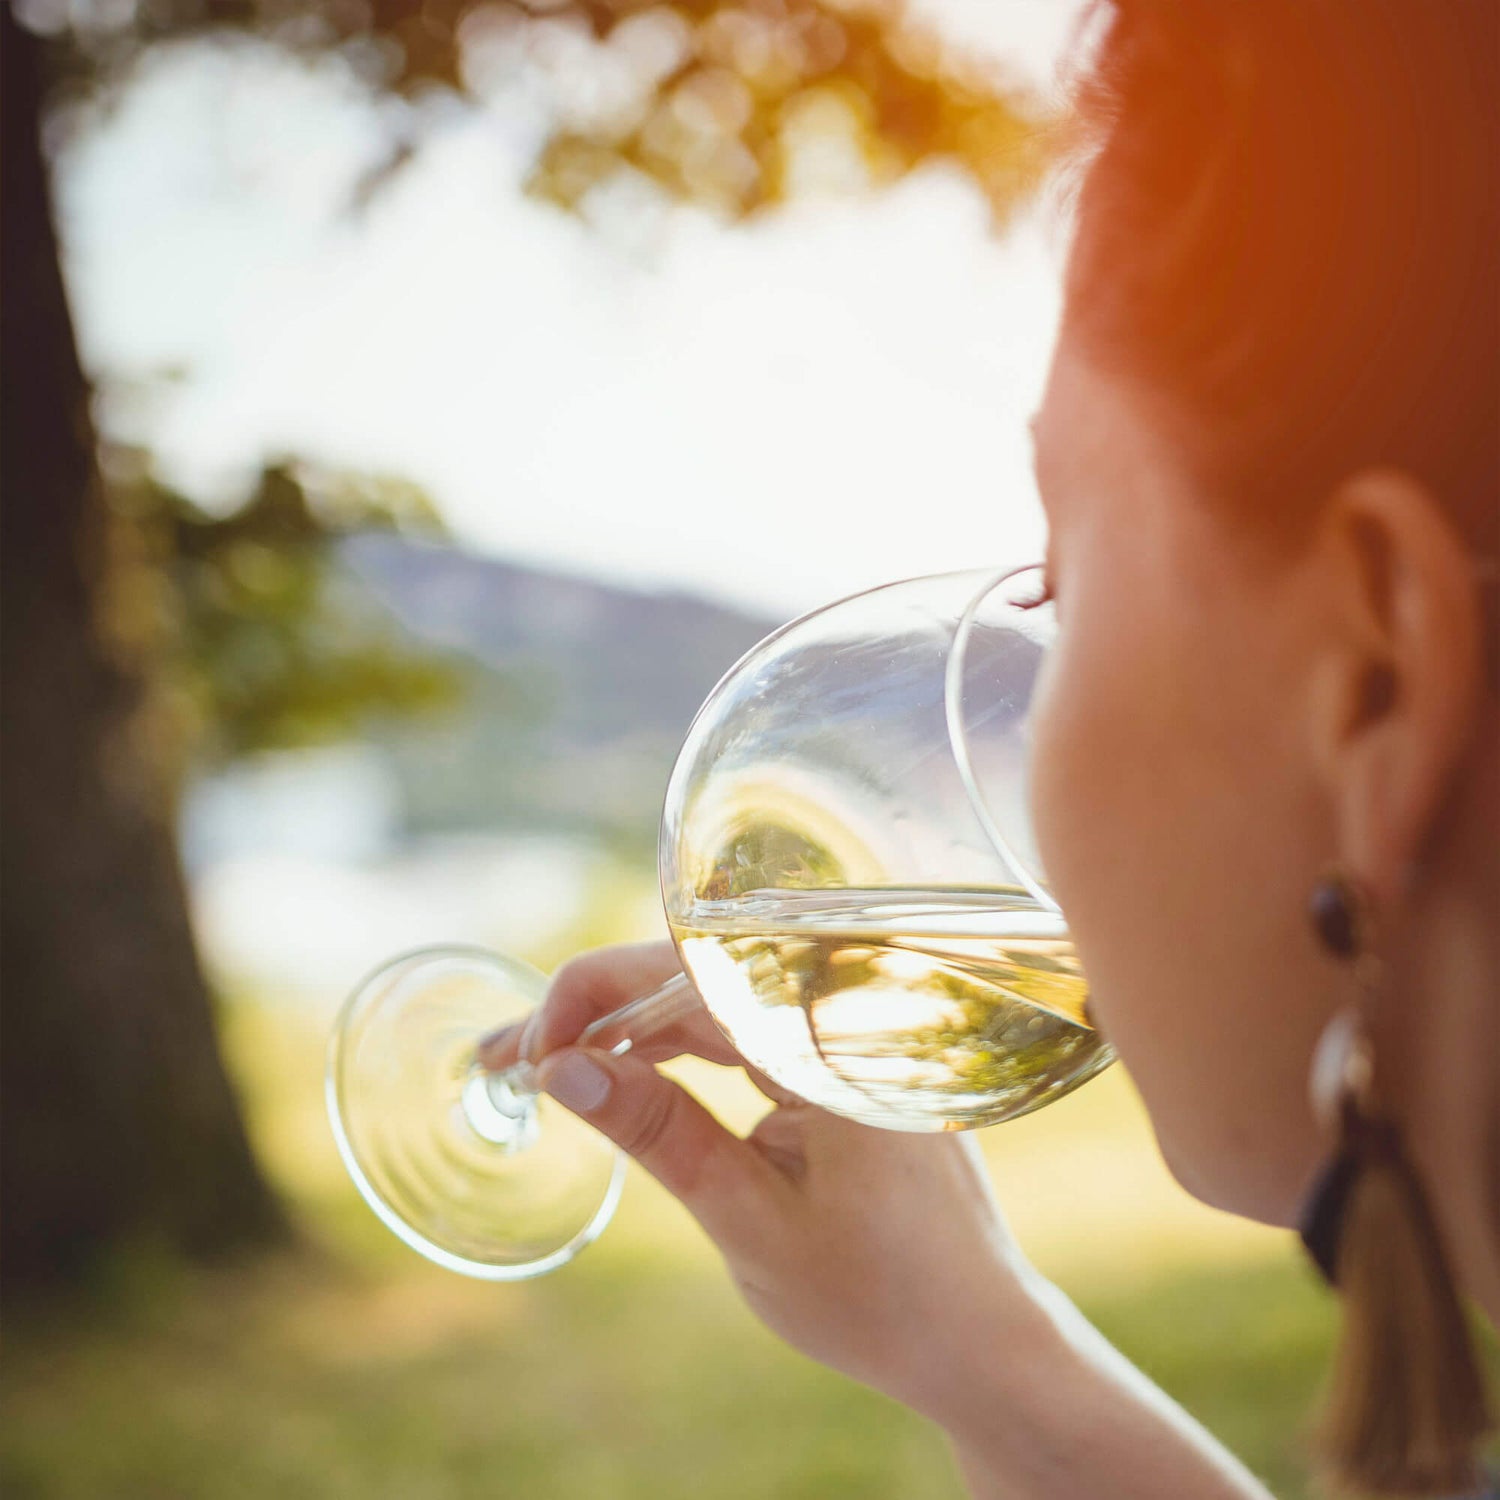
578, 693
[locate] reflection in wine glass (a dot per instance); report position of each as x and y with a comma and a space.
848, 871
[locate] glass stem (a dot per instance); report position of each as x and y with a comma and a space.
619, 1031
644, 1016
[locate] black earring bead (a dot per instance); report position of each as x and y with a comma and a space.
1335, 911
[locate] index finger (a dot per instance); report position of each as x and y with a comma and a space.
593, 985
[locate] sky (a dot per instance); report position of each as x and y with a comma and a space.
772, 415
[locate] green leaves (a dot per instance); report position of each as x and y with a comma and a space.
254, 638
735, 105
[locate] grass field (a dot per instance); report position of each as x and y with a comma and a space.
353, 1369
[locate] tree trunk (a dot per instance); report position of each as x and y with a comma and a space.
117, 1121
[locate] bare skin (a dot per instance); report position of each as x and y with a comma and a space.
1207, 744
882, 1255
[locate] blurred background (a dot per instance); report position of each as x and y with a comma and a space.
412, 407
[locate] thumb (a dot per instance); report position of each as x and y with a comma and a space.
721, 1180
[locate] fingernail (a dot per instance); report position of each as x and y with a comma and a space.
576, 1081
496, 1042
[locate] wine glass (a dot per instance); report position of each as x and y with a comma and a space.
848, 871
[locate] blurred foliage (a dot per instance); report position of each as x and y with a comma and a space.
252, 636
743, 102
733, 104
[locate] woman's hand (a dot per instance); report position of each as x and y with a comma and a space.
873, 1251
881, 1254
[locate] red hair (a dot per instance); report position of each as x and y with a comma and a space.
1288, 234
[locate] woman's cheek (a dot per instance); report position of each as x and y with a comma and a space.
1096, 786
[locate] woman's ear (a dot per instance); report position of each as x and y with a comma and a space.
1398, 671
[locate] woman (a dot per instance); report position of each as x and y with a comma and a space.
1267, 743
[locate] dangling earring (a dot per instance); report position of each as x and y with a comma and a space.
1406, 1406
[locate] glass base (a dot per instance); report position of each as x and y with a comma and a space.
469, 1168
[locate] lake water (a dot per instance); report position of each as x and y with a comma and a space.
301, 882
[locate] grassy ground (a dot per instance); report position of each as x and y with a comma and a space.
353, 1369
628, 1378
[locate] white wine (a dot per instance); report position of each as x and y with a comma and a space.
911, 1009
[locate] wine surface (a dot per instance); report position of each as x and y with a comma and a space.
909, 1009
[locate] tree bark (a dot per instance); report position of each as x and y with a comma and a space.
117, 1121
